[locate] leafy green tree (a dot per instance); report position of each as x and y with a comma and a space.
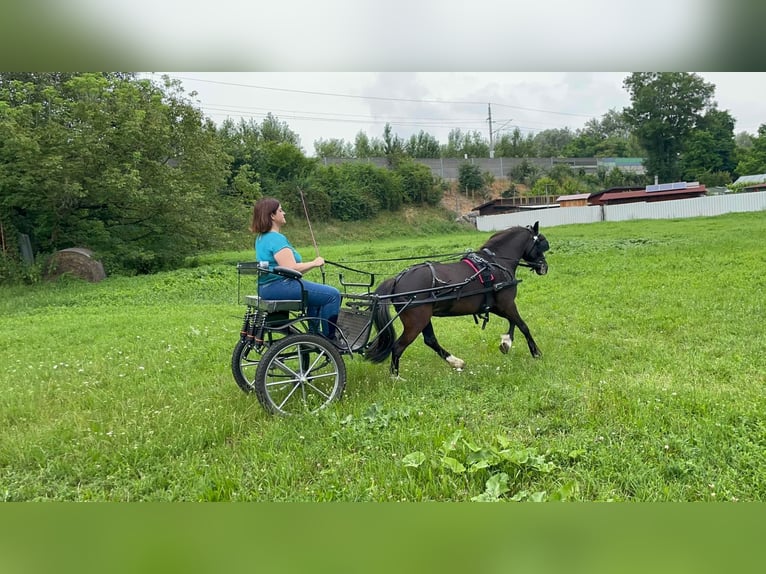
545, 186
271, 156
333, 148
460, 144
710, 147
524, 172
616, 177
552, 142
418, 182
743, 140
130, 169
246, 185
358, 190
665, 108
753, 160
514, 144
608, 137
272, 129
365, 147
469, 178
423, 145
455, 144
475, 144
393, 146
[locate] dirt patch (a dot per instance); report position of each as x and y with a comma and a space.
462, 204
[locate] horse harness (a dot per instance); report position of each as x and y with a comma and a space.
483, 270
492, 276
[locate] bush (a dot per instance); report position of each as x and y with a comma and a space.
14, 272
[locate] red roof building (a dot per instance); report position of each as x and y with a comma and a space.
664, 192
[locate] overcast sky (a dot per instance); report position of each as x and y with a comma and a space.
327, 105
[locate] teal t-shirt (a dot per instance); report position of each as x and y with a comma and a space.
266, 245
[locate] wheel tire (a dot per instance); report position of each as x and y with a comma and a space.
244, 361
300, 374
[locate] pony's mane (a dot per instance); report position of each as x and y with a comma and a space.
502, 236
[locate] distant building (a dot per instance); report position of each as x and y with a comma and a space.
611, 196
513, 204
575, 200
752, 182
660, 192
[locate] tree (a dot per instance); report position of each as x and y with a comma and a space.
469, 178
470, 144
274, 130
710, 148
127, 168
515, 145
333, 148
393, 146
524, 172
358, 190
423, 145
418, 183
455, 144
551, 143
608, 137
753, 160
365, 147
544, 186
665, 108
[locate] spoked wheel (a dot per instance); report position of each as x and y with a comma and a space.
300, 374
244, 361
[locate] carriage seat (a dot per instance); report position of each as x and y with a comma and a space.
273, 305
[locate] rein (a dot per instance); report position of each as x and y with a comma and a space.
430, 257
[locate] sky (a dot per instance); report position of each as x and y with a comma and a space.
337, 105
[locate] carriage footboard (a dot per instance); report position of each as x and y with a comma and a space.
354, 322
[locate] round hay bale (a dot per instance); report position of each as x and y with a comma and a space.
78, 262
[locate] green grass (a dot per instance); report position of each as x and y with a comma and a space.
650, 387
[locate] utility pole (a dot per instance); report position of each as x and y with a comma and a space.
489, 119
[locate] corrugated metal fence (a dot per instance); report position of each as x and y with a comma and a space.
448, 168
676, 209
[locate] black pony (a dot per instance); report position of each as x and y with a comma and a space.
482, 282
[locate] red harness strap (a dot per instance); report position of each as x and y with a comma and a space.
483, 276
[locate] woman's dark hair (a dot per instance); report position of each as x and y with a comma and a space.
263, 209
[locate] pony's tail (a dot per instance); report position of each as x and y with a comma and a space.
384, 342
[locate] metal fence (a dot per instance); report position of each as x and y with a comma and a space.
677, 209
448, 168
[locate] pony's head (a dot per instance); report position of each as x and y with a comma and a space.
521, 244
534, 252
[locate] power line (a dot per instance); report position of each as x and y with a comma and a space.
381, 98
359, 117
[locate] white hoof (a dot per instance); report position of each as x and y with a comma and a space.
505, 344
456, 363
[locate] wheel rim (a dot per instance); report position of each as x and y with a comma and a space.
303, 377
248, 364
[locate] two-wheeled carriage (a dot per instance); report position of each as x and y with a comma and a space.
281, 355
292, 368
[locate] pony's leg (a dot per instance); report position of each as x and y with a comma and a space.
414, 321
430, 339
515, 319
506, 340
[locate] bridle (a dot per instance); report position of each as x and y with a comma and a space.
539, 265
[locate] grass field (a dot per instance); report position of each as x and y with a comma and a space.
650, 387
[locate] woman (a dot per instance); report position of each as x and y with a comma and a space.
274, 248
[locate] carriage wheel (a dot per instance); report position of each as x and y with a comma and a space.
246, 356
300, 374
244, 361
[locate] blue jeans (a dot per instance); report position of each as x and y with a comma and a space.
323, 300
